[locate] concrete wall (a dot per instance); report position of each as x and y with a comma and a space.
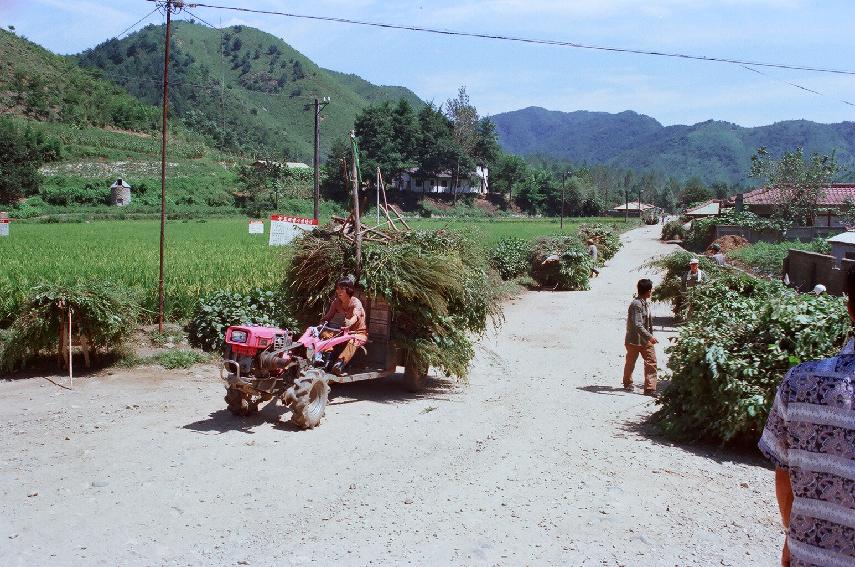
801, 233
806, 269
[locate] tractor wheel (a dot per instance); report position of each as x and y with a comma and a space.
240, 404
311, 392
414, 378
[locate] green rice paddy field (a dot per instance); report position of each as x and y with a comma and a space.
201, 256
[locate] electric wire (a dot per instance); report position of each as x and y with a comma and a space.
798, 86
138, 22
519, 39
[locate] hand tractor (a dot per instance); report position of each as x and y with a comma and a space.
263, 363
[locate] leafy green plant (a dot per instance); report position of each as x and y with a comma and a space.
607, 240
105, 313
676, 265
702, 232
673, 230
178, 358
729, 359
510, 257
768, 259
560, 263
217, 311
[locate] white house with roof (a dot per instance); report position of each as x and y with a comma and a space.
476, 183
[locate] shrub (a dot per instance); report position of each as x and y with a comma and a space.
607, 240
729, 359
702, 232
673, 230
676, 265
560, 262
221, 309
178, 358
105, 313
510, 257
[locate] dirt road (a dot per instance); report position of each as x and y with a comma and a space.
539, 460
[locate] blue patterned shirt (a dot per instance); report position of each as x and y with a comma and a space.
811, 433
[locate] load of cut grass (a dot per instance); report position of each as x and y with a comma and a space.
436, 282
105, 314
607, 240
560, 263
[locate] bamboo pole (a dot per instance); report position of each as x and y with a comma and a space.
70, 376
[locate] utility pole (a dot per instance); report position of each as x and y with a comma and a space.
319, 106
639, 202
357, 221
168, 5
563, 179
626, 204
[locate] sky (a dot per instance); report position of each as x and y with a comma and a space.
502, 76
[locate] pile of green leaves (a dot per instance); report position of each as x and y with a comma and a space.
221, 309
437, 283
702, 232
103, 312
571, 271
673, 230
510, 257
607, 240
729, 359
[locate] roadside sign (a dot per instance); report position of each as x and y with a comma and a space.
284, 229
256, 227
4, 224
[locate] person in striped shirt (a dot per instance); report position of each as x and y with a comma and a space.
810, 437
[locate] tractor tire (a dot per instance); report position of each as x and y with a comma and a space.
414, 379
310, 396
240, 404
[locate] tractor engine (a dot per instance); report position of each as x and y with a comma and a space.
255, 352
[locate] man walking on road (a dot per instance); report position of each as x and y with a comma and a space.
640, 340
810, 437
593, 253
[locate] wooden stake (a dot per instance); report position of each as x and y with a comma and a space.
70, 377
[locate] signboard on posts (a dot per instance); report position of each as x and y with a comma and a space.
4, 224
256, 227
284, 229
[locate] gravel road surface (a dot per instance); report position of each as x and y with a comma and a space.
541, 459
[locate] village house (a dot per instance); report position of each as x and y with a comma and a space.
476, 183
633, 209
120, 193
834, 202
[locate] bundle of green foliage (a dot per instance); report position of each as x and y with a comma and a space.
561, 263
106, 314
673, 230
437, 284
768, 259
221, 309
606, 239
510, 257
729, 359
676, 266
702, 232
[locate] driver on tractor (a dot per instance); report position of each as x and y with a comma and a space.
354, 321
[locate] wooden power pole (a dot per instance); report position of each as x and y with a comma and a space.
319, 106
357, 220
163, 163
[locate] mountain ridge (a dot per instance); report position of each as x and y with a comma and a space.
713, 150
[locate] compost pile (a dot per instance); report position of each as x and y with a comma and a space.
436, 282
561, 263
730, 242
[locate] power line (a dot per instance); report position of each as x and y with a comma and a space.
135, 24
526, 39
798, 86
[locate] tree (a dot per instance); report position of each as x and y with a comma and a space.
800, 182
437, 150
694, 192
509, 171
487, 149
719, 190
534, 192
261, 183
21, 156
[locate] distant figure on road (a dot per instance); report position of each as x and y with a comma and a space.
717, 256
810, 437
593, 253
640, 340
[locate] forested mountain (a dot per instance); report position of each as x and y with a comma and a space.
712, 150
243, 88
41, 85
